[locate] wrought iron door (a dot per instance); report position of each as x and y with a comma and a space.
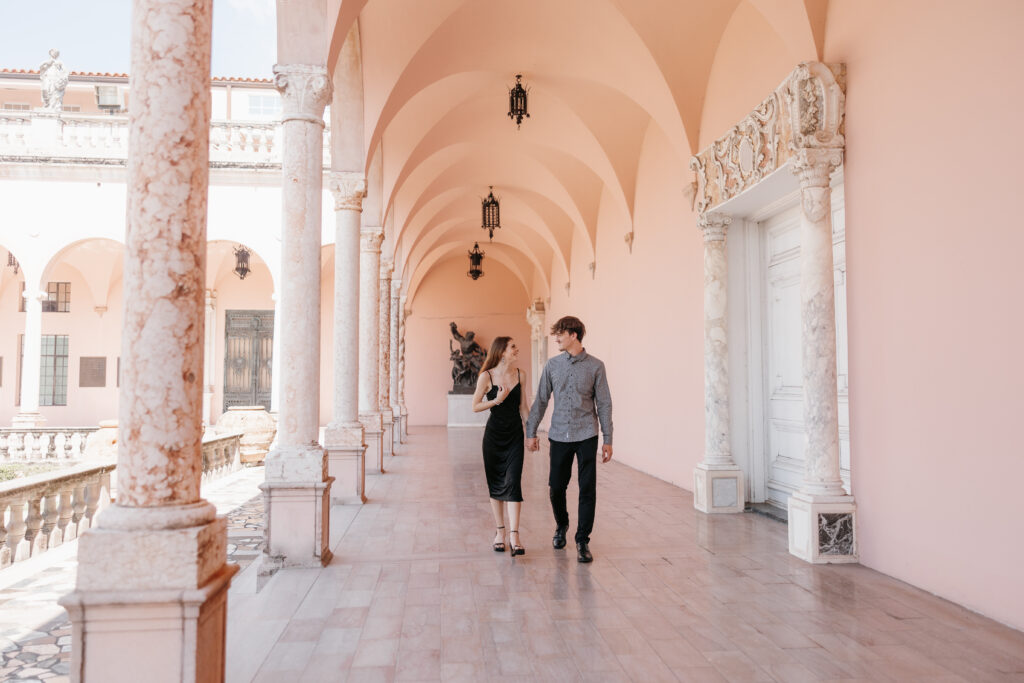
248, 358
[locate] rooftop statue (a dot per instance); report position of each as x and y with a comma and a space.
466, 361
54, 79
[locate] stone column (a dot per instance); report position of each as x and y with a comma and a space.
297, 486
209, 355
538, 342
403, 314
821, 514
152, 577
369, 346
387, 267
28, 414
717, 481
275, 358
343, 438
396, 412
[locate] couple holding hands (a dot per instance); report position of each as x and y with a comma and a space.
582, 400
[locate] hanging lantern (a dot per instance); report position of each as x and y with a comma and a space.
241, 262
12, 262
491, 220
517, 101
476, 257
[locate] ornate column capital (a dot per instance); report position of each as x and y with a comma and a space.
714, 226
305, 91
348, 189
814, 165
396, 288
370, 239
387, 267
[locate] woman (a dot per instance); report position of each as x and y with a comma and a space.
499, 389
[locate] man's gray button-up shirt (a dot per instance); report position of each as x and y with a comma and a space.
582, 398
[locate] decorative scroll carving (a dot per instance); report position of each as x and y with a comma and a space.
305, 91
714, 226
348, 189
804, 112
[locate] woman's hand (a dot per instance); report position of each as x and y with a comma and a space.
502, 393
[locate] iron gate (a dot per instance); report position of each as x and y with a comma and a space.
248, 358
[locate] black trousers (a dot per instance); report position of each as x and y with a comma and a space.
562, 453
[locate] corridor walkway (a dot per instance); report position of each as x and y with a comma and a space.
415, 593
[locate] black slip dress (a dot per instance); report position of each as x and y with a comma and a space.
503, 446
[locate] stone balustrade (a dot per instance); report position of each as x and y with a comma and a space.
221, 455
43, 511
104, 139
43, 444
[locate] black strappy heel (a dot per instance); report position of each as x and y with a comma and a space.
515, 548
499, 547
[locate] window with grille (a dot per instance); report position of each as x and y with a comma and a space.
16, 106
264, 106
53, 370
92, 371
58, 297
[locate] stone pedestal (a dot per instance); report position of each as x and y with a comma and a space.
460, 412
373, 437
388, 442
346, 462
822, 529
718, 489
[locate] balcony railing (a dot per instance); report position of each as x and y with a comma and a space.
70, 138
43, 444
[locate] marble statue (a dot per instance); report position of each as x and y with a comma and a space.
54, 79
466, 361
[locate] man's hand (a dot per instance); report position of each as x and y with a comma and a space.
533, 444
606, 452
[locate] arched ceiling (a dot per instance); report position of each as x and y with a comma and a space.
433, 77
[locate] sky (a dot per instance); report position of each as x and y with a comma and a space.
93, 35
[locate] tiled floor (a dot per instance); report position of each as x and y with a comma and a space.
415, 593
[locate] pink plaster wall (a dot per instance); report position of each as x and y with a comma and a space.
936, 330
494, 305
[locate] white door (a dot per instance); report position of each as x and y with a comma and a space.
784, 434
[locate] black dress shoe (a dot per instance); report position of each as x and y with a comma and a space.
583, 553
558, 542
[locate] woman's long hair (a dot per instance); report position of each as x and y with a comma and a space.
498, 347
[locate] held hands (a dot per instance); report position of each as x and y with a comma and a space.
606, 452
533, 444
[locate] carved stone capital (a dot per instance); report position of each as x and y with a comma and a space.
714, 226
814, 166
348, 189
387, 267
305, 91
370, 239
396, 288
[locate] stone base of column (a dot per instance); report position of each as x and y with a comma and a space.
405, 424
28, 421
296, 497
150, 600
396, 428
718, 489
346, 463
388, 425
373, 437
823, 529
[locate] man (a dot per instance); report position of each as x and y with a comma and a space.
582, 399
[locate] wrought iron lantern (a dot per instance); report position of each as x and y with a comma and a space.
476, 257
517, 101
491, 220
13, 262
241, 262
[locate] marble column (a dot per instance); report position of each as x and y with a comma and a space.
822, 524
403, 315
370, 240
152, 577
209, 354
395, 311
297, 487
28, 414
717, 481
343, 437
538, 343
387, 267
